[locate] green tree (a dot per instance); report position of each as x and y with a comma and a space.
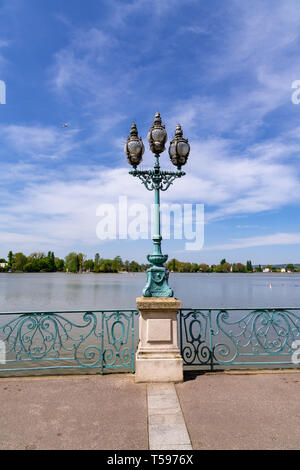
19, 260
238, 268
134, 267
204, 268
72, 263
59, 264
97, 262
88, 265
223, 261
223, 268
10, 258
290, 267
81, 258
173, 265
117, 264
194, 268
45, 264
249, 266
185, 267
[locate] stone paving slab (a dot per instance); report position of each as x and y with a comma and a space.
225, 411
86, 412
167, 429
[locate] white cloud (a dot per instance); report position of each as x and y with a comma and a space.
265, 240
39, 141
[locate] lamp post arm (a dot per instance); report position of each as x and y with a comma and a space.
152, 179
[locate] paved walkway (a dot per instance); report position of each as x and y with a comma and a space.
83, 412
229, 411
219, 411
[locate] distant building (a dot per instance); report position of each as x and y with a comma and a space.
283, 270
266, 270
3, 265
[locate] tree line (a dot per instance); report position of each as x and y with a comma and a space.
79, 263
73, 263
224, 267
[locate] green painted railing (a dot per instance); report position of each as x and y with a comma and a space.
98, 339
238, 337
101, 340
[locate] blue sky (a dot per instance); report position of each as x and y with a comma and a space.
223, 69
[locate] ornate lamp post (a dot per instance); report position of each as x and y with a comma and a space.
157, 180
158, 357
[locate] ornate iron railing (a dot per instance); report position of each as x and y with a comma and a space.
98, 339
238, 337
105, 339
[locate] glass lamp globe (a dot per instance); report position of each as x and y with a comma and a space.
157, 136
179, 148
134, 147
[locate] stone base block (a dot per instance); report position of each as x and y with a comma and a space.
158, 369
158, 357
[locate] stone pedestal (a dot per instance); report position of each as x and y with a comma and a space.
158, 357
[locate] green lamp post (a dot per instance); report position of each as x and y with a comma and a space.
157, 180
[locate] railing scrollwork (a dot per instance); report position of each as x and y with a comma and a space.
68, 340
220, 337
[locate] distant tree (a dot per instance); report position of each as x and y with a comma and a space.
194, 268
88, 265
18, 261
97, 262
185, 267
51, 259
59, 264
117, 264
45, 264
258, 268
10, 258
32, 267
290, 267
71, 262
223, 261
134, 267
38, 255
223, 268
204, 268
249, 266
173, 265
81, 258
238, 268
106, 266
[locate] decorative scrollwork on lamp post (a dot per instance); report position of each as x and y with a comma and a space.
157, 180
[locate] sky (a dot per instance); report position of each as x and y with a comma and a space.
223, 69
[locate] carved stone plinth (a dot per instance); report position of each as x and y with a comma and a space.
158, 357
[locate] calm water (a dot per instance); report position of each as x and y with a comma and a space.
55, 291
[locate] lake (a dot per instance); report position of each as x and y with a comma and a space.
61, 291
